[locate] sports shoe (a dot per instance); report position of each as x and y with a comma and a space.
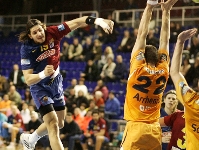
24, 138
11, 147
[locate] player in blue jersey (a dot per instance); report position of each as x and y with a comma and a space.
40, 64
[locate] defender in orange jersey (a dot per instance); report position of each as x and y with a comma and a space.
149, 72
185, 94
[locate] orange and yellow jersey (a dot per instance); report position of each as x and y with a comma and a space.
145, 87
190, 99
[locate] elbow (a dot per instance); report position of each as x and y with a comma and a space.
28, 82
173, 72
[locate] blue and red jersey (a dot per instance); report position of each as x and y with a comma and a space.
37, 56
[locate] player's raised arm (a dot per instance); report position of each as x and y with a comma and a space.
106, 24
144, 26
165, 29
177, 56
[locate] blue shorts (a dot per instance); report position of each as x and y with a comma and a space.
50, 92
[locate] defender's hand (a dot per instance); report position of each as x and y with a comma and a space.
185, 35
167, 5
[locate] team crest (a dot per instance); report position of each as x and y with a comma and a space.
45, 98
51, 43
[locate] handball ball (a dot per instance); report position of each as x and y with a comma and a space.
195, 1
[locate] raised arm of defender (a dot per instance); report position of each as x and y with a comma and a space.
143, 28
165, 29
177, 56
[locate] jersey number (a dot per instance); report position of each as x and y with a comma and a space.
143, 87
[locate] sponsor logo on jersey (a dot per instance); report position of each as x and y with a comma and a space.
195, 128
33, 51
140, 56
25, 61
144, 108
61, 27
163, 57
184, 87
197, 102
45, 55
146, 100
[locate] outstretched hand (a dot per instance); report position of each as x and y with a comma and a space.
183, 36
109, 27
167, 5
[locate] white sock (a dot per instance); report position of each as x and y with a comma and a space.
12, 143
34, 137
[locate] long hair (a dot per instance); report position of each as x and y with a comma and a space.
23, 36
151, 54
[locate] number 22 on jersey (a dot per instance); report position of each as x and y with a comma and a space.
144, 87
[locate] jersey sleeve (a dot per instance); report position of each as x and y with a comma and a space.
103, 124
25, 58
186, 94
137, 59
59, 31
169, 120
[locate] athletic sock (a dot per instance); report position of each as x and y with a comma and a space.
34, 137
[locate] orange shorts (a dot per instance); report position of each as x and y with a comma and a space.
141, 136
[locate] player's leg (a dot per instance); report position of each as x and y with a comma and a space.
14, 132
50, 126
51, 122
53, 115
99, 141
84, 142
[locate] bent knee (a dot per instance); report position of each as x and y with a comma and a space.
61, 124
99, 137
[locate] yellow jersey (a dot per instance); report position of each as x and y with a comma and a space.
145, 87
190, 99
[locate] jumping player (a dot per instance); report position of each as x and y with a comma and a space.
149, 71
185, 94
40, 65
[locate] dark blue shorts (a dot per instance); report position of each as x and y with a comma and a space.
50, 92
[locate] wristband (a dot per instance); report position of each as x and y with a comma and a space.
90, 20
101, 23
152, 2
42, 75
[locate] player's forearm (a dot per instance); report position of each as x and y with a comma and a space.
144, 24
31, 79
161, 121
165, 29
177, 58
76, 23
